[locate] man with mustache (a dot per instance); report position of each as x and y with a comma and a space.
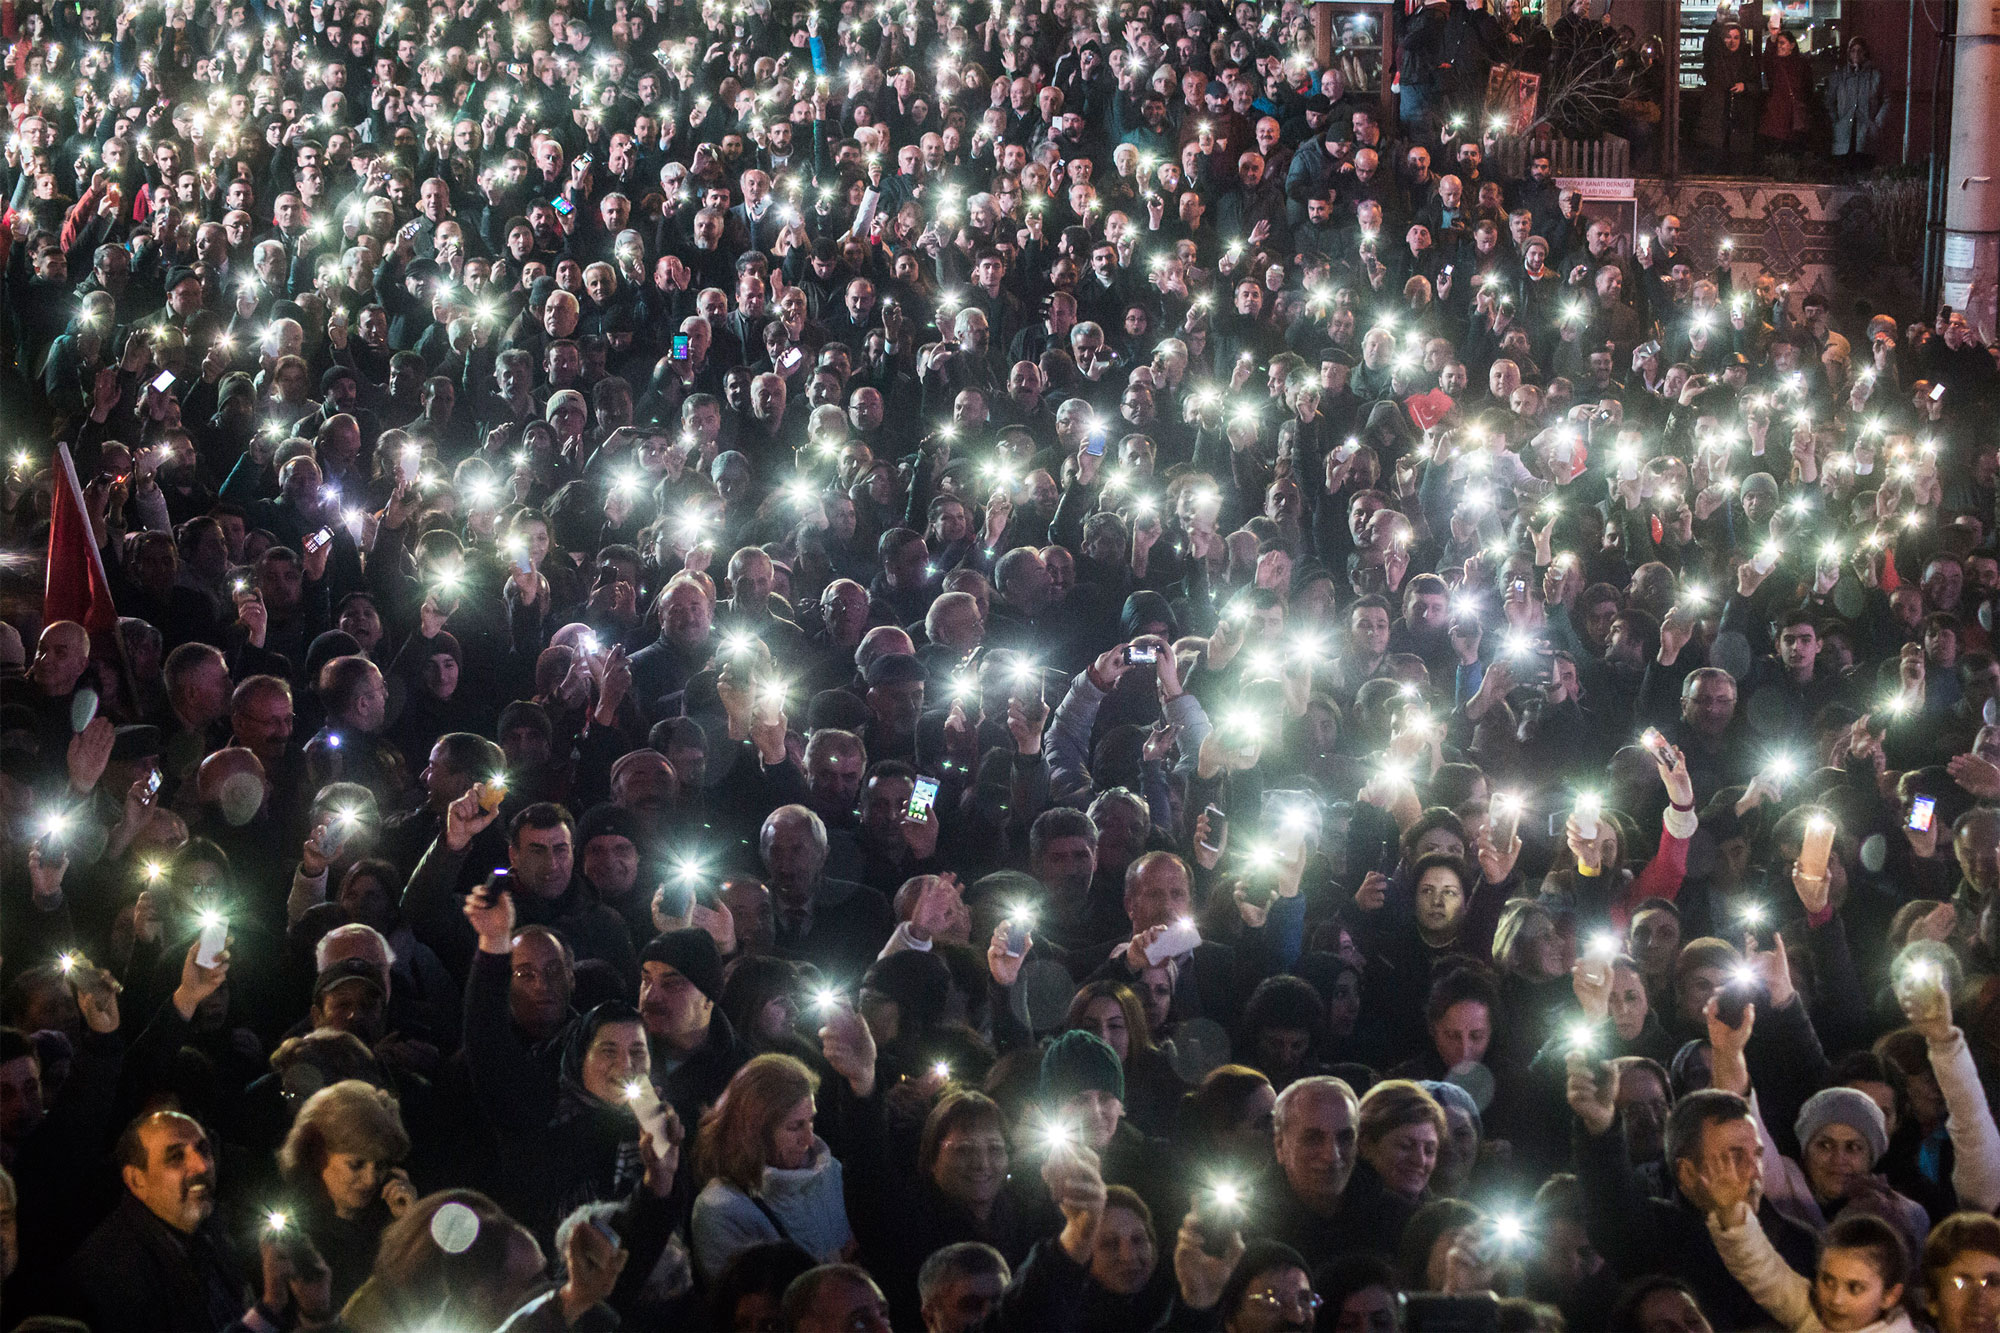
162, 1260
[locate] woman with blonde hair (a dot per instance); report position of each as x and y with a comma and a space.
1398, 1131
766, 1175
340, 1167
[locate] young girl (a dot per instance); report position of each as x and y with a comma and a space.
1859, 1286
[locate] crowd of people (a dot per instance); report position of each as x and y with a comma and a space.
664, 667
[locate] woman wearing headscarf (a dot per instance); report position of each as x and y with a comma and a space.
608, 1140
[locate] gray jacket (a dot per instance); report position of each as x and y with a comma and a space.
1854, 100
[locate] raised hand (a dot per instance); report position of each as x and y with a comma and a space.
849, 1047
465, 820
198, 983
1924, 995
1076, 1182
921, 835
1814, 890
1592, 1092
1025, 723
1772, 970
594, 1264
90, 753
45, 878
492, 920
1726, 1044
1977, 775
1004, 967
1590, 981
662, 1160
1202, 1275
940, 910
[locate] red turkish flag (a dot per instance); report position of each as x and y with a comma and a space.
77, 587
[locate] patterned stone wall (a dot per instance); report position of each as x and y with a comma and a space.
1812, 236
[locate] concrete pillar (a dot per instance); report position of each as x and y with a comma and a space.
1972, 196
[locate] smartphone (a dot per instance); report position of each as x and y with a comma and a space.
318, 539
1017, 937
214, 939
1217, 1216
1218, 826
490, 792
153, 783
1656, 744
1922, 811
1094, 446
163, 381
291, 1241
676, 899
326, 839
1142, 655
790, 360
1518, 588
603, 1229
922, 798
1179, 938
1731, 1000
495, 885
680, 347
82, 708
563, 206
1937, 392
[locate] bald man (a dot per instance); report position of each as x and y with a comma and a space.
49, 687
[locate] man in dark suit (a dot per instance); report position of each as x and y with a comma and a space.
1212, 979
857, 313
755, 223
838, 924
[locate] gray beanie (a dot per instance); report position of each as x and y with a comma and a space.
1844, 1106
